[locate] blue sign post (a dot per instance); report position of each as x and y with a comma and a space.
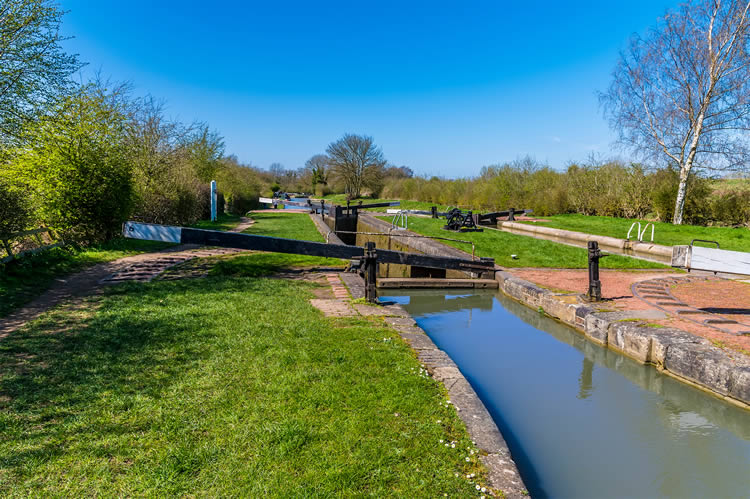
213, 200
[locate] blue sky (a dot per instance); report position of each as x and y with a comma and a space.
443, 87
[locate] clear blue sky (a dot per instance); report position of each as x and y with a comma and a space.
443, 87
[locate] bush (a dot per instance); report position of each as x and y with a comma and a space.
76, 167
15, 209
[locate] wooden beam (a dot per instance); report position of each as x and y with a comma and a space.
186, 235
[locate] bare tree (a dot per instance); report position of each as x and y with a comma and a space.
357, 162
681, 94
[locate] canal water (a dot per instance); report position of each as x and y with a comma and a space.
580, 420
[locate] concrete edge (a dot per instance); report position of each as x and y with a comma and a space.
649, 251
683, 355
502, 471
324, 230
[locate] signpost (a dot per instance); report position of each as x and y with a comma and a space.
213, 200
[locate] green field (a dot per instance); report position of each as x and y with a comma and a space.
729, 238
530, 252
232, 385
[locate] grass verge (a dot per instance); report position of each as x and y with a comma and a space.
730, 238
224, 386
529, 252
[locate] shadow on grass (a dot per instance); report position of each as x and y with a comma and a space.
54, 371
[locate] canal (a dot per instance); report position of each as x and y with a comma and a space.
581, 420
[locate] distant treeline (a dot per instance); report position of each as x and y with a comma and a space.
598, 188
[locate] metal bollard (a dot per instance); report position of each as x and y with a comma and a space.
511, 215
371, 272
595, 285
434, 211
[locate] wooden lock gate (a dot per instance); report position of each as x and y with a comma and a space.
369, 256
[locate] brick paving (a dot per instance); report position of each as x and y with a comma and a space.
700, 304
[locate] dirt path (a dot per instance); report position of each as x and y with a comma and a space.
71, 289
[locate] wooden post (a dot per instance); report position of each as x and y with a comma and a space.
433, 210
8, 249
371, 272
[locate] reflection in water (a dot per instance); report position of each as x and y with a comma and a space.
586, 380
634, 432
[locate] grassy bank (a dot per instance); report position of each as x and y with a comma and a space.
737, 239
529, 252
224, 386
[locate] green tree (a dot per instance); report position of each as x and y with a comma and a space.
34, 70
76, 166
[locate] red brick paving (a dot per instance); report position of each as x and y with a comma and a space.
616, 288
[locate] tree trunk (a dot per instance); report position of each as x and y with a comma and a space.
679, 206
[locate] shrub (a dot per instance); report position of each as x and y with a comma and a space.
76, 167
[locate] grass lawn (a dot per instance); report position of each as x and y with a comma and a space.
24, 280
231, 385
531, 252
737, 239
340, 199
225, 221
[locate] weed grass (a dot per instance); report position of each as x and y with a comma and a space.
730, 238
529, 252
223, 386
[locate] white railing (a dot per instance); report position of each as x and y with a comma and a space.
640, 232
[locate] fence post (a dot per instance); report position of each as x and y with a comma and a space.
6, 244
595, 285
371, 272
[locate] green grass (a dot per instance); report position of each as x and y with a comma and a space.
24, 280
224, 221
221, 387
277, 223
737, 239
530, 252
340, 199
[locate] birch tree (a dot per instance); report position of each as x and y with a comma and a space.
357, 161
681, 93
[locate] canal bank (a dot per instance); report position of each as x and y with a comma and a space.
686, 356
585, 421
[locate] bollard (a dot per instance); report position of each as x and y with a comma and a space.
511, 215
595, 285
371, 272
434, 211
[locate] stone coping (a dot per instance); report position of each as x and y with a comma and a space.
650, 251
325, 231
494, 453
683, 355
